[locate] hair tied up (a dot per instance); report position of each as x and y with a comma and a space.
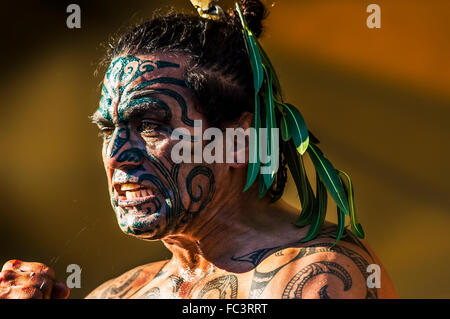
254, 12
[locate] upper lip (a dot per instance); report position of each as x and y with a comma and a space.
121, 188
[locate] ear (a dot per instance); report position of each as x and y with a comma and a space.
237, 142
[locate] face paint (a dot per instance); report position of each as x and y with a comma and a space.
120, 84
138, 105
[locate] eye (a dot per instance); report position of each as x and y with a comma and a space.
147, 127
106, 131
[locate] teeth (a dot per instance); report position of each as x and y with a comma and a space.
129, 187
137, 194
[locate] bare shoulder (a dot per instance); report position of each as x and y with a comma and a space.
320, 269
127, 283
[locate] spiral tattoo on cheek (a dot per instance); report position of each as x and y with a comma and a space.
200, 187
122, 90
195, 172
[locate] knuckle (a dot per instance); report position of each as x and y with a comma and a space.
13, 263
44, 269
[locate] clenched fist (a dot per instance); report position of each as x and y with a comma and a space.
30, 280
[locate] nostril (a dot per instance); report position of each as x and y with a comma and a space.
130, 156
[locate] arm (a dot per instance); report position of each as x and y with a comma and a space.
324, 276
316, 271
126, 285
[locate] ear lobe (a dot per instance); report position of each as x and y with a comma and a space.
245, 121
240, 141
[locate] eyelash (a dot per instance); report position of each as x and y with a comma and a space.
106, 132
150, 123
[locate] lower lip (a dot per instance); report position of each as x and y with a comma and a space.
135, 201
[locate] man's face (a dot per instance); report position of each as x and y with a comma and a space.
144, 98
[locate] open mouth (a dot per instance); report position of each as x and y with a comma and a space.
131, 194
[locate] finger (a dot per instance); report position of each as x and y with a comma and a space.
38, 268
42, 282
19, 292
7, 278
10, 278
4, 292
12, 264
60, 290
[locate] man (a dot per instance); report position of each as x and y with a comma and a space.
226, 243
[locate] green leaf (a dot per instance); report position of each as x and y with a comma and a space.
297, 128
262, 189
253, 52
271, 69
308, 200
341, 226
355, 226
268, 179
284, 129
304, 189
253, 161
321, 206
270, 123
329, 176
308, 209
258, 77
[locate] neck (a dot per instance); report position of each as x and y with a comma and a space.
234, 224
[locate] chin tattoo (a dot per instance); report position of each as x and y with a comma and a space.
126, 87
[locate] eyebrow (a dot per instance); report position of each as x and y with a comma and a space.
99, 120
145, 102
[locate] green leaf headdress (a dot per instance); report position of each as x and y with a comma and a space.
296, 140
271, 112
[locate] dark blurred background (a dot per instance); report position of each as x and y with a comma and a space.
378, 99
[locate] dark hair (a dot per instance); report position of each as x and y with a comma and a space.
220, 73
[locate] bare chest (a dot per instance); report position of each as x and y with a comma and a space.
196, 285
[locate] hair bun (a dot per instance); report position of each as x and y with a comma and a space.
254, 12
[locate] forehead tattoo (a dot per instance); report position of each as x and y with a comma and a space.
122, 87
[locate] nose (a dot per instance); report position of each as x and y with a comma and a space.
121, 154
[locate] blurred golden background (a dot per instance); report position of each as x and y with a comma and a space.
378, 99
